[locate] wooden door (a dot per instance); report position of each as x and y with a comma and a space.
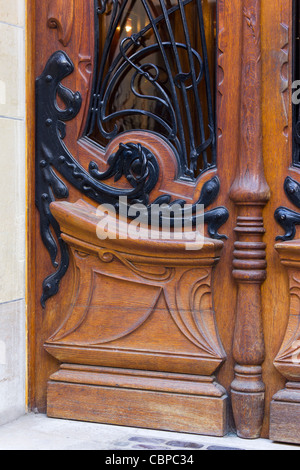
178, 103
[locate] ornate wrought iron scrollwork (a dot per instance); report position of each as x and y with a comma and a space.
287, 218
172, 85
133, 161
296, 78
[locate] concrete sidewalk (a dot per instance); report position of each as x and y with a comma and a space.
37, 432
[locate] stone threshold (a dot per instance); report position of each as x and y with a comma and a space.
38, 432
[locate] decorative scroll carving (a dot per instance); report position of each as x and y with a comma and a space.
52, 153
133, 161
296, 78
62, 19
250, 193
288, 359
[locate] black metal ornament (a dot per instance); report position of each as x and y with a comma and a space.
287, 218
133, 161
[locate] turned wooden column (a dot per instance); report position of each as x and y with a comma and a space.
250, 193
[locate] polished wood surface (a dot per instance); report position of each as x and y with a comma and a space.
149, 401
161, 320
270, 159
276, 60
30, 204
285, 406
250, 193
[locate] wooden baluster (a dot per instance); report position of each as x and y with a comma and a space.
250, 193
285, 405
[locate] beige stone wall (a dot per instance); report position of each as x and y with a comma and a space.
12, 210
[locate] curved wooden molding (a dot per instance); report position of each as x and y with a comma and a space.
61, 17
144, 305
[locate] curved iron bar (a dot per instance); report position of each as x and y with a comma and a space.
184, 124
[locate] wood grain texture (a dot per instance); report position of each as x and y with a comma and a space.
285, 406
80, 49
30, 204
287, 361
250, 193
228, 105
138, 407
161, 320
285, 419
62, 19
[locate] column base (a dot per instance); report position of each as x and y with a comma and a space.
248, 401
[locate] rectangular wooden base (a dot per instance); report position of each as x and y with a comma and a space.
173, 402
285, 422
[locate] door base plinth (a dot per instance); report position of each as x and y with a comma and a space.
285, 415
136, 398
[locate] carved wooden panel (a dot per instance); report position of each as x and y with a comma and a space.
162, 320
